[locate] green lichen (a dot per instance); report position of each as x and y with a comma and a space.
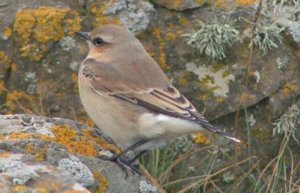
287, 124
267, 37
34, 28
212, 39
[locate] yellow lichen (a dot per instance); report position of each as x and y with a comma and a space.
289, 88
74, 78
13, 67
67, 136
22, 136
183, 80
15, 98
83, 145
76, 191
5, 60
103, 182
162, 61
87, 121
183, 21
220, 100
201, 138
20, 188
247, 98
5, 154
87, 135
170, 36
35, 27
2, 87
246, 2
38, 153
7, 33
100, 19
172, 4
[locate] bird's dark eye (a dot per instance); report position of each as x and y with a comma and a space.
98, 41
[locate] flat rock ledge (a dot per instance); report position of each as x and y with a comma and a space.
40, 154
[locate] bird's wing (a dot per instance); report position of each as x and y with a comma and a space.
159, 98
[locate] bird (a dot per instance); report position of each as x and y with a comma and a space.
129, 97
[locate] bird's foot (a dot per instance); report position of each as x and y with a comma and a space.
125, 164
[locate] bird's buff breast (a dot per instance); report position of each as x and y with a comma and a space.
108, 113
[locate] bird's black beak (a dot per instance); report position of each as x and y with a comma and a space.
84, 35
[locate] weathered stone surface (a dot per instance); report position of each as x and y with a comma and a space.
180, 4
59, 155
40, 57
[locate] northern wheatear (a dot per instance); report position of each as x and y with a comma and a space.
129, 97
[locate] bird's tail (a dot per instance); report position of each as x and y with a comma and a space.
217, 131
204, 123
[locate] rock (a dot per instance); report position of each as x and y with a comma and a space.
135, 15
40, 57
180, 5
60, 155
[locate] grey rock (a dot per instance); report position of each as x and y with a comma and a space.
64, 155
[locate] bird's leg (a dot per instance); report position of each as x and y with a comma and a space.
131, 160
132, 147
127, 163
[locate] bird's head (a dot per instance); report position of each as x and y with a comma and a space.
107, 38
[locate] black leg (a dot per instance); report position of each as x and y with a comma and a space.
124, 163
132, 147
136, 156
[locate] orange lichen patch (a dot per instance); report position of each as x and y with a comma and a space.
29, 148
13, 67
7, 33
103, 182
289, 88
170, 36
171, 4
201, 138
74, 78
100, 19
15, 98
246, 2
67, 136
20, 188
245, 98
22, 136
82, 145
2, 87
5, 154
86, 121
87, 134
76, 191
35, 27
5, 60
162, 61
38, 153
